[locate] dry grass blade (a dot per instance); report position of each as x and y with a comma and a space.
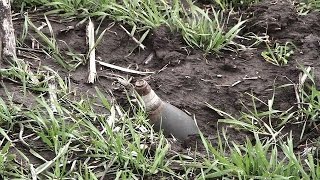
48, 164
133, 38
149, 58
7, 38
53, 95
123, 69
303, 78
92, 53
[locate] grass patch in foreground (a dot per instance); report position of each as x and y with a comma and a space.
263, 159
82, 142
87, 143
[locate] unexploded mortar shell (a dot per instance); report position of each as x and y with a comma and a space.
164, 115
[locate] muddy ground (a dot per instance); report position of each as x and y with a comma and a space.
188, 79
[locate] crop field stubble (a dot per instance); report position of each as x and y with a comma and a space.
227, 80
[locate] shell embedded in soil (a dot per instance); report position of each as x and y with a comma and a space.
165, 116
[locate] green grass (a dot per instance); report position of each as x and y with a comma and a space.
69, 60
225, 4
76, 131
199, 28
306, 6
265, 120
263, 160
309, 101
6, 159
207, 32
279, 54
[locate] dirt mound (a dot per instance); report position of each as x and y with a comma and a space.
281, 21
271, 17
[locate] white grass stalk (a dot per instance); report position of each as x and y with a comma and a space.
133, 38
7, 38
92, 53
53, 95
149, 58
304, 76
33, 172
123, 69
112, 118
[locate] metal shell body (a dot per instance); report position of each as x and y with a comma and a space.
164, 116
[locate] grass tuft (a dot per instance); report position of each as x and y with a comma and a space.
280, 54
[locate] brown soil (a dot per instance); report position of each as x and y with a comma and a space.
188, 79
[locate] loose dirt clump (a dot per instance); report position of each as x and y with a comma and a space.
280, 20
271, 17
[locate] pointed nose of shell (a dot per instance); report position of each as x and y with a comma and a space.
142, 87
